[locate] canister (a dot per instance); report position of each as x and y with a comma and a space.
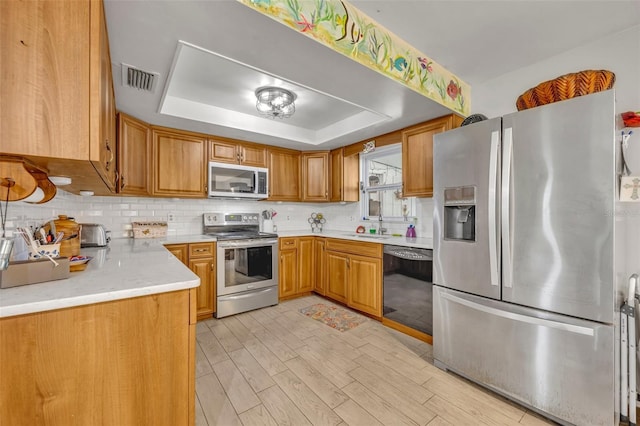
70, 245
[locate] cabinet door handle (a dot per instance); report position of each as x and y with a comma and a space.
108, 147
213, 266
199, 250
348, 263
122, 184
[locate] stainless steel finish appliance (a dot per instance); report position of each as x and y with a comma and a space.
247, 262
236, 181
529, 258
407, 287
94, 235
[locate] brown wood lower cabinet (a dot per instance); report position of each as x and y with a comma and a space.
321, 266
201, 259
355, 274
125, 362
297, 266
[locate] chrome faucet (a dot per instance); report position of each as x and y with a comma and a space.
381, 230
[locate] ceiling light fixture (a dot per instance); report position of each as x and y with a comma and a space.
275, 102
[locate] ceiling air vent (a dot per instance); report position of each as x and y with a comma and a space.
138, 79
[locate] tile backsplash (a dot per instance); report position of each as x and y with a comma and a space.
117, 213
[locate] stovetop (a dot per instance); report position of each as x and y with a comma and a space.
234, 226
223, 236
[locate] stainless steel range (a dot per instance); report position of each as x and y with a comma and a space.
247, 262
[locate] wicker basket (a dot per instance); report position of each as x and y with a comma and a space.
566, 87
149, 229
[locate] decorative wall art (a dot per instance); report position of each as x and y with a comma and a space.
343, 28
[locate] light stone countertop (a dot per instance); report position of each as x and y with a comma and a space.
139, 267
126, 268
424, 243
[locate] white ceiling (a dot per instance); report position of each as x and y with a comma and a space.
229, 50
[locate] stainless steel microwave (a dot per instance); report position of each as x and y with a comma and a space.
236, 181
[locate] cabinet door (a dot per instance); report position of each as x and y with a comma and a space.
179, 251
124, 362
306, 264
321, 266
365, 284
179, 164
44, 94
223, 151
417, 156
345, 181
253, 155
134, 152
288, 273
284, 175
205, 294
315, 176
338, 275
103, 151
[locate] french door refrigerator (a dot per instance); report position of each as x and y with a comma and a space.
531, 259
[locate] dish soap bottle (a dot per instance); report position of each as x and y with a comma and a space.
411, 232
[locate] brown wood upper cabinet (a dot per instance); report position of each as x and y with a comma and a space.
57, 104
104, 141
417, 155
315, 176
226, 151
284, 175
179, 163
134, 154
344, 176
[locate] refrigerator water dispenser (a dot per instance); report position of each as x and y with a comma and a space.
459, 213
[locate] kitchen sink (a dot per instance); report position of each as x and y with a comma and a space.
371, 236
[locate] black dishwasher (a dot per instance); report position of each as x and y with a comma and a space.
407, 287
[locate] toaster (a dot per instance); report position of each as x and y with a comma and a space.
94, 235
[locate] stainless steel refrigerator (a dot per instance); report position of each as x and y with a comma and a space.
531, 258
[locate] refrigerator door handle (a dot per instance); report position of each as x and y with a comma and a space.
506, 204
493, 177
520, 317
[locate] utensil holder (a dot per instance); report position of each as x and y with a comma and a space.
267, 225
40, 252
34, 271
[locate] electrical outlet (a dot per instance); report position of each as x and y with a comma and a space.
288, 218
171, 217
351, 218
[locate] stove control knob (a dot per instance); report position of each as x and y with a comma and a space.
244, 218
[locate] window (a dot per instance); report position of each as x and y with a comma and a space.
381, 184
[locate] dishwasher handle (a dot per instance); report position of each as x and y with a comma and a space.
408, 253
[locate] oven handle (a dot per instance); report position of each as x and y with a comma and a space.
247, 243
244, 295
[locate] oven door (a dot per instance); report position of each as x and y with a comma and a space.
245, 265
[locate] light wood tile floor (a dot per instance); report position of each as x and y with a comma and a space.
275, 366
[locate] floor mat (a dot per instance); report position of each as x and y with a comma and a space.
333, 316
